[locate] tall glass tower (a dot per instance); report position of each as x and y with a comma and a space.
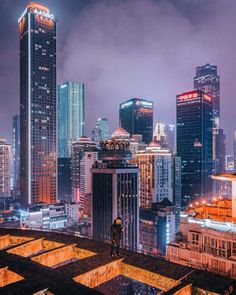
71, 116
38, 168
194, 143
208, 81
136, 117
103, 124
16, 153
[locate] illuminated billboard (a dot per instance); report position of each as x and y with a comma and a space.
187, 96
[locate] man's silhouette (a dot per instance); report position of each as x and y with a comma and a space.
116, 234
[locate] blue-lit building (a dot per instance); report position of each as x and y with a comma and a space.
38, 105
194, 143
157, 227
103, 125
16, 153
71, 116
96, 135
136, 117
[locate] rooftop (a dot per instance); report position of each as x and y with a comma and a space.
32, 261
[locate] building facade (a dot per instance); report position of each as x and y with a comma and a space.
103, 125
97, 135
155, 165
115, 191
84, 155
16, 154
207, 238
136, 117
208, 81
164, 134
194, 143
38, 115
71, 116
157, 227
5, 168
64, 179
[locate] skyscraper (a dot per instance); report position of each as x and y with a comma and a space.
155, 174
96, 135
160, 177
136, 117
64, 179
194, 143
71, 116
16, 153
5, 168
115, 191
208, 81
38, 167
84, 155
103, 125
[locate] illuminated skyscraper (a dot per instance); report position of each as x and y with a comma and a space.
83, 156
16, 153
5, 168
194, 143
96, 135
71, 116
38, 168
136, 117
160, 177
155, 165
208, 81
102, 124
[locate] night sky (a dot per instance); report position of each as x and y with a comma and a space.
129, 48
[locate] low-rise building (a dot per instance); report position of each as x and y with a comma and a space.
54, 216
207, 238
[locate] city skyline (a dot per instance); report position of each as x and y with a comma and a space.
151, 70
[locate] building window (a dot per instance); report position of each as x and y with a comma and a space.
195, 239
214, 263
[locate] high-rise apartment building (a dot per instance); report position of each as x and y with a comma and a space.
208, 81
103, 125
16, 154
136, 117
38, 167
194, 143
83, 157
71, 116
155, 164
115, 191
5, 168
160, 177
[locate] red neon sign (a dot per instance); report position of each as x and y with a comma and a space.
188, 95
